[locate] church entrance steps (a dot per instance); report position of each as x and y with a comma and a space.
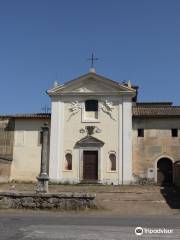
89, 183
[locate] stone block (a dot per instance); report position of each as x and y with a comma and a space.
66, 201
175, 149
5, 202
154, 150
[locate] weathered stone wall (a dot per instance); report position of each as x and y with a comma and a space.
156, 143
66, 201
6, 138
5, 169
6, 147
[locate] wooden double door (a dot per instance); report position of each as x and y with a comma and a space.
90, 165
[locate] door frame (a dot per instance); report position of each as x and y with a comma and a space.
90, 175
100, 167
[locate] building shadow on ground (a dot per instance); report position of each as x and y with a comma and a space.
172, 196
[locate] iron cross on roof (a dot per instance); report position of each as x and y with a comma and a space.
92, 59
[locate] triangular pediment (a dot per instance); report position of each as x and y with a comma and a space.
89, 141
90, 83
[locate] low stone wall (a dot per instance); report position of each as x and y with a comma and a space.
31, 200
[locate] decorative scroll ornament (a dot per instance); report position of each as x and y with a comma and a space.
82, 130
90, 130
98, 130
107, 107
75, 108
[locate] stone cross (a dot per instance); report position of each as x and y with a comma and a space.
42, 185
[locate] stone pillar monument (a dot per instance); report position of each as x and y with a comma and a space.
42, 185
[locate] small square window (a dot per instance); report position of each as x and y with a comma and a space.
91, 105
174, 132
140, 132
90, 110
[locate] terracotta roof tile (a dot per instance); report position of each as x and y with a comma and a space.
157, 111
31, 115
154, 104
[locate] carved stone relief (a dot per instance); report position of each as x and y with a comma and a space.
90, 130
74, 108
107, 107
82, 130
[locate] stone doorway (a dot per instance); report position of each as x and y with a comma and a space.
164, 172
90, 165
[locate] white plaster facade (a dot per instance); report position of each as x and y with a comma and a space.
113, 126
27, 149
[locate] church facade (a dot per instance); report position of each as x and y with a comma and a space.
99, 133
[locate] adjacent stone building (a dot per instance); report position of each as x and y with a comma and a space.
99, 133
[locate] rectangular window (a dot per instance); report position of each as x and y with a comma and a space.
90, 110
91, 105
174, 132
140, 132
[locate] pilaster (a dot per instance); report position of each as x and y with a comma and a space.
127, 141
56, 140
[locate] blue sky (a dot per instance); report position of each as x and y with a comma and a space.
42, 39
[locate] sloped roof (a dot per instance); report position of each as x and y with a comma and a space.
29, 115
164, 111
154, 104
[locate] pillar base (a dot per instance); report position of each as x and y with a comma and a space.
42, 184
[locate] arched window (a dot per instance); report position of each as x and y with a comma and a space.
68, 161
112, 159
